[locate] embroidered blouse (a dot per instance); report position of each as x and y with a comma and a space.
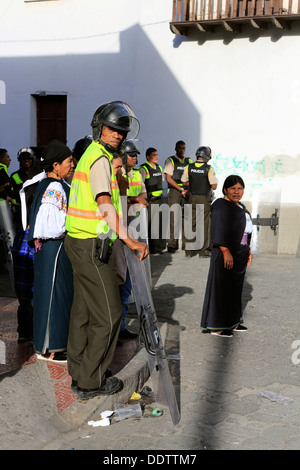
51, 216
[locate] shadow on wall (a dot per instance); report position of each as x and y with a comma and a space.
136, 73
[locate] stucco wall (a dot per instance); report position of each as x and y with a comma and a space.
239, 94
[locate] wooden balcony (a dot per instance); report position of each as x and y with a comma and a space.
206, 15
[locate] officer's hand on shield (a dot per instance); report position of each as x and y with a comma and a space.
141, 247
10, 200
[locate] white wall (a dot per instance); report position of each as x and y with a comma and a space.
238, 94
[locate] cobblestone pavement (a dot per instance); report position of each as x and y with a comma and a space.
239, 393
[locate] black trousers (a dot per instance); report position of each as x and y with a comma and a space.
199, 224
176, 203
156, 236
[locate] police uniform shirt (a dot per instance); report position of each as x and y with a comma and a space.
100, 177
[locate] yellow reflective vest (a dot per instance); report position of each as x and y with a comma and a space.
134, 183
83, 217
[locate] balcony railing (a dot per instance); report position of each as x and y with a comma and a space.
202, 13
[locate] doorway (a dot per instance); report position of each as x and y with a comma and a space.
51, 119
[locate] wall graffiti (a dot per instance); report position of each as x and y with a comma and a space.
264, 168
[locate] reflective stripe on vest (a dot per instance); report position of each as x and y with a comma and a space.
135, 183
83, 217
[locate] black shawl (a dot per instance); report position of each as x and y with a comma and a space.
228, 223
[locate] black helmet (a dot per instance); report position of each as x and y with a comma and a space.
25, 152
81, 146
204, 152
132, 147
117, 115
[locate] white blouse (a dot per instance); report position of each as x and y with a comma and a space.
249, 225
51, 216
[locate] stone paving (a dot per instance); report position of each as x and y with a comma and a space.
239, 393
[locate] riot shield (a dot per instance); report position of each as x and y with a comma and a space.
7, 231
138, 227
157, 360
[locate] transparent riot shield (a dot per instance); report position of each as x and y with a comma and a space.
157, 361
138, 226
7, 234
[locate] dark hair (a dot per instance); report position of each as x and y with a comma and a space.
180, 142
150, 150
55, 152
47, 167
81, 146
231, 181
2, 152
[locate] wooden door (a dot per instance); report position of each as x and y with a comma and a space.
51, 115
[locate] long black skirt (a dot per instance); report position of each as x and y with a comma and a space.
222, 307
52, 297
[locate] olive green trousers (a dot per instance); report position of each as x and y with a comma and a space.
95, 316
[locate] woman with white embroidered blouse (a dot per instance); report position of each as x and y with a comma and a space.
53, 279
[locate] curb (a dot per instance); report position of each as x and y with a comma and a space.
133, 375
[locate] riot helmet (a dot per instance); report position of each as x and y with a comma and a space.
80, 147
117, 115
132, 147
24, 153
204, 152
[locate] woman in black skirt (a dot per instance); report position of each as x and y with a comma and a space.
53, 275
231, 229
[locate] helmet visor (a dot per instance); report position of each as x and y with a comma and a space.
128, 124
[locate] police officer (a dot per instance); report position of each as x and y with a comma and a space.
79, 148
5, 184
23, 255
136, 195
136, 191
174, 167
26, 158
152, 175
93, 223
202, 180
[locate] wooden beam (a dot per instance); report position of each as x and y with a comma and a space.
175, 30
201, 28
229, 27
254, 24
279, 23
